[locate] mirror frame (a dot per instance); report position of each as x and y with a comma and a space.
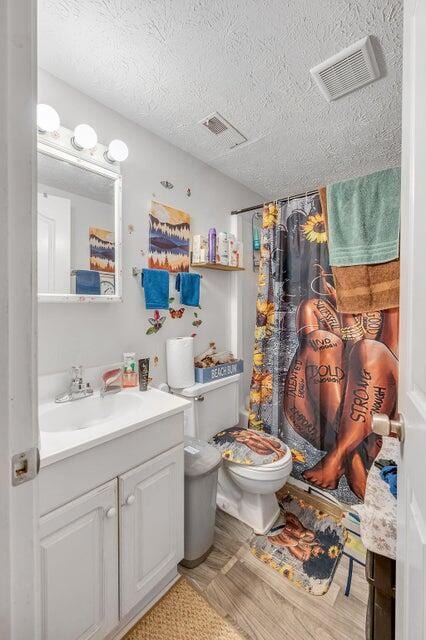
94, 162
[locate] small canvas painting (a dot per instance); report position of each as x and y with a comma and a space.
102, 250
169, 234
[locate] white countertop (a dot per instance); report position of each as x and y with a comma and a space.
156, 405
378, 513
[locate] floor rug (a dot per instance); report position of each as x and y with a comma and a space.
182, 614
305, 543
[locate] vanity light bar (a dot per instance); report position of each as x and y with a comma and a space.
84, 137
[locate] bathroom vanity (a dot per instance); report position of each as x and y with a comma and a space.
111, 504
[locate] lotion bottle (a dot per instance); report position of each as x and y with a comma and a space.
130, 374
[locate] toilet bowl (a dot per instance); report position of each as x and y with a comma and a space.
245, 490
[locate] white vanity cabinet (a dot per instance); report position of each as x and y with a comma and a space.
79, 567
111, 524
151, 525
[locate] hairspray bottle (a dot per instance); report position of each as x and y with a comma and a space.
212, 245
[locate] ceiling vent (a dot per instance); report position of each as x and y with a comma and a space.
348, 70
227, 135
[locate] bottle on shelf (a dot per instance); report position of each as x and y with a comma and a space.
212, 245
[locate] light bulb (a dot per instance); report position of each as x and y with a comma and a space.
48, 120
117, 151
85, 137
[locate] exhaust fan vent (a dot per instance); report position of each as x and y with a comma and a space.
348, 70
227, 135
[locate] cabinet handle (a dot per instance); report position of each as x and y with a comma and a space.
111, 513
130, 499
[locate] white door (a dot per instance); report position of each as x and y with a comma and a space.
53, 244
411, 551
19, 548
151, 525
79, 567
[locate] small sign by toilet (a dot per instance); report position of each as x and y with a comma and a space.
219, 371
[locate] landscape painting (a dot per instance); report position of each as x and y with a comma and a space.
169, 235
102, 250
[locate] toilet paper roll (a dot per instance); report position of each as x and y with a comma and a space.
180, 362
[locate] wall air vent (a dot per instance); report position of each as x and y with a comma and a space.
348, 70
227, 135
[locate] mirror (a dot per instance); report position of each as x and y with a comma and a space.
78, 229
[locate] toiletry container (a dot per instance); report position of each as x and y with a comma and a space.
212, 245
143, 370
232, 254
222, 256
199, 249
130, 374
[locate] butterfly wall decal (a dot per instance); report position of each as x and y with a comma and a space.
156, 323
176, 313
197, 321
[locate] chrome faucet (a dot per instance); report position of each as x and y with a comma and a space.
111, 382
77, 389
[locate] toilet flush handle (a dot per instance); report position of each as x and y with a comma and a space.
199, 398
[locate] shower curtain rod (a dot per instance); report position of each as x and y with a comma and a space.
260, 206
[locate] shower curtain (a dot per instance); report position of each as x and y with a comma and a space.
318, 375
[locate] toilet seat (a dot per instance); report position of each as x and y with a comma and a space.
250, 448
271, 471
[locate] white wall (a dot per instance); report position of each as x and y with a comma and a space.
98, 334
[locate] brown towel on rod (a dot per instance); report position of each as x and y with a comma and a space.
364, 287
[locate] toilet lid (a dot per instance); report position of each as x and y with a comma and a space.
247, 446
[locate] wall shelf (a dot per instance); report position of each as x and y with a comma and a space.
215, 266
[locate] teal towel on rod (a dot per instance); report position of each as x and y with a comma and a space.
363, 219
155, 283
189, 286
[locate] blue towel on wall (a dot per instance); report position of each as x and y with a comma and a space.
156, 286
87, 282
390, 475
189, 286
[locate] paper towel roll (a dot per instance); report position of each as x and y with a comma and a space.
180, 362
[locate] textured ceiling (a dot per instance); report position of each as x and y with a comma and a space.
168, 63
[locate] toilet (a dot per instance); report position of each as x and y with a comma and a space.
246, 488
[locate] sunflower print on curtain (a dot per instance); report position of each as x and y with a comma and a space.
318, 375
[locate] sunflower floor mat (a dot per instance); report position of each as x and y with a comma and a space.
305, 544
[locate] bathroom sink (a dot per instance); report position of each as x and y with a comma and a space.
72, 427
89, 412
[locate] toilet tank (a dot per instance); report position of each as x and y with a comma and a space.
214, 407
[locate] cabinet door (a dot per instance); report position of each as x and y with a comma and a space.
79, 567
151, 525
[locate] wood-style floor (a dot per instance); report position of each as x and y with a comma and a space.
263, 605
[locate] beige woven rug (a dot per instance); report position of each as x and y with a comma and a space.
182, 614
